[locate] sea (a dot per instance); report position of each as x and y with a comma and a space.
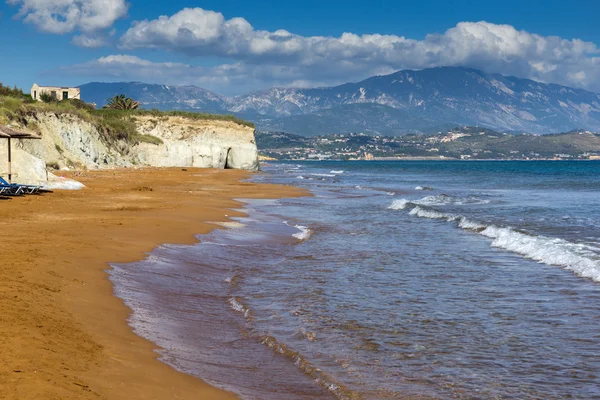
393, 280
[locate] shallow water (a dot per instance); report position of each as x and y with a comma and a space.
446, 280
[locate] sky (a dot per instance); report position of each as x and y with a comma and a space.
233, 47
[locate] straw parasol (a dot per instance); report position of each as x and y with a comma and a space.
7, 132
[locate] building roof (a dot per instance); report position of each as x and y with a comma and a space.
62, 87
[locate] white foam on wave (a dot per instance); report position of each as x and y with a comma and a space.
336, 172
579, 258
551, 251
236, 305
230, 224
440, 200
399, 204
324, 175
443, 200
432, 214
299, 177
467, 224
304, 233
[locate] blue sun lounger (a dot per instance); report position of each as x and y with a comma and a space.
24, 189
11, 190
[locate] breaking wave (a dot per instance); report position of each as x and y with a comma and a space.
579, 258
439, 200
399, 204
444, 199
304, 233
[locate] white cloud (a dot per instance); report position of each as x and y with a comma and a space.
90, 41
490, 47
64, 16
227, 79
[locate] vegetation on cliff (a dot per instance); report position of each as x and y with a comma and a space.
116, 124
121, 102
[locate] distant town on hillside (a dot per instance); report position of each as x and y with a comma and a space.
463, 143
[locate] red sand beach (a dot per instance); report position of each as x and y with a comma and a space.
63, 334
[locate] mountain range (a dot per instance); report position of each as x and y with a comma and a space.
426, 101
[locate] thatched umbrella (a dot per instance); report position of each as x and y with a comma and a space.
8, 133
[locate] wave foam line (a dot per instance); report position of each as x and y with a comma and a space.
337, 389
578, 258
304, 233
236, 305
320, 377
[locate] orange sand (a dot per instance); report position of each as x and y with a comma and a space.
63, 335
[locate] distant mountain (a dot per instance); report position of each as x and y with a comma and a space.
396, 104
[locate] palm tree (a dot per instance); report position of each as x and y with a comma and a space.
121, 102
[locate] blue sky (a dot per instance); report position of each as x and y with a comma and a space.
237, 46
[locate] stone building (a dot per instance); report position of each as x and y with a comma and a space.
60, 93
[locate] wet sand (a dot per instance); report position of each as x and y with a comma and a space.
63, 335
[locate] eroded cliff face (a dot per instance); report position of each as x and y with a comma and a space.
69, 141
196, 143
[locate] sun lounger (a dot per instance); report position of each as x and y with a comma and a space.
26, 189
11, 190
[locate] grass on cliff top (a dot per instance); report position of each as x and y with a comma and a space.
183, 114
114, 125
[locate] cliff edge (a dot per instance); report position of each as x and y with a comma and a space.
82, 140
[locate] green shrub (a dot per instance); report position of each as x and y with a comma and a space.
121, 102
81, 105
117, 128
48, 97
12, 92
27, 99
148, 139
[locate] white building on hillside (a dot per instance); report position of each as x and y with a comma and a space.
59, 93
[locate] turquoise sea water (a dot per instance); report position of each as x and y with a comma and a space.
436, 280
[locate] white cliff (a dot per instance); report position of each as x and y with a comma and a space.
196, 143
70, 141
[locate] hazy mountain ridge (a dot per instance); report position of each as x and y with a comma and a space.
400, 103
162, 97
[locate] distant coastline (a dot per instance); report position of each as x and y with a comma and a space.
461, 143
437, 159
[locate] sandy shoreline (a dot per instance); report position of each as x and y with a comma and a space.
63, 334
